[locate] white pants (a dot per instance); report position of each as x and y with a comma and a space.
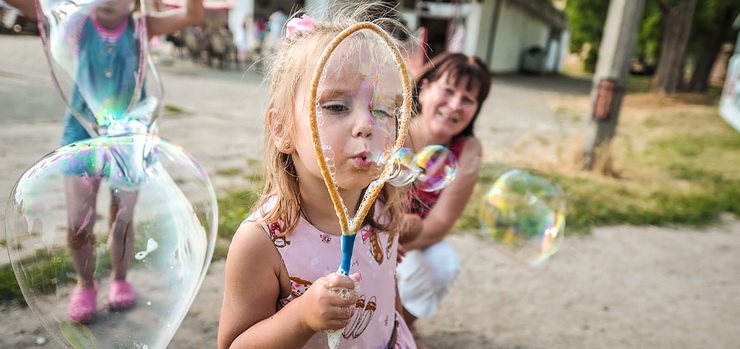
424, 276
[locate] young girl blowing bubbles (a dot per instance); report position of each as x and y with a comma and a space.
280, 289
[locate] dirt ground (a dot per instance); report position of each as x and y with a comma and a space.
619, 287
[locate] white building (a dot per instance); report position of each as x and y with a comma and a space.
498, 31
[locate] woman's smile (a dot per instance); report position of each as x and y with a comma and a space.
446, 118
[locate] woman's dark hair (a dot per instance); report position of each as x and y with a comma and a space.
457, 66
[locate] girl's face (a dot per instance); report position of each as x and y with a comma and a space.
357, 105
446, 108
113, 11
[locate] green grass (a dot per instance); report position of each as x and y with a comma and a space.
233, 209
173, 109
229, 171
679, 164
41, 272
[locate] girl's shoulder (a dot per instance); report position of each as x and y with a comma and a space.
249, 245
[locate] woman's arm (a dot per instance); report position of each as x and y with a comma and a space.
453, 199
173, 20
252, 288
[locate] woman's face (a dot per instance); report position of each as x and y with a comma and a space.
446, 108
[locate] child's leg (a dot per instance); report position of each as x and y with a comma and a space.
81, 193
121, 241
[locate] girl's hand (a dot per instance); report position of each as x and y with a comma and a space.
330, 302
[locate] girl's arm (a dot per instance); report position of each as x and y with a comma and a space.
173, 20
452, 201
252, 287
28, 7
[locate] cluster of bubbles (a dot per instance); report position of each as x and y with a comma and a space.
523, 214
431, 169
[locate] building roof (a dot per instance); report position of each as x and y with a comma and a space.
544, 10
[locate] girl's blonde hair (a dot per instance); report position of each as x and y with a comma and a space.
289, 69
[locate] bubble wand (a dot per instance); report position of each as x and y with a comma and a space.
349, 226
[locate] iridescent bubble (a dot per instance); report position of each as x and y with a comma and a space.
405, 170
438, 167
49, 227
524, 215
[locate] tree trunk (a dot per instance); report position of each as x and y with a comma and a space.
677, 21
708, 55
610, 81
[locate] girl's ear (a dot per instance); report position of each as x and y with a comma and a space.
280, 134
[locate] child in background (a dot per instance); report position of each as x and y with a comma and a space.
279, 285
99, 46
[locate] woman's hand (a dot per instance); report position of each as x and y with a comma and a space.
330, 302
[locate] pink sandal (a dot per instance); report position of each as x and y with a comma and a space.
82, 304
121, 295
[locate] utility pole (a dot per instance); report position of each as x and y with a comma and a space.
610, 80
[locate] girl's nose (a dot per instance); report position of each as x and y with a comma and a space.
364, 125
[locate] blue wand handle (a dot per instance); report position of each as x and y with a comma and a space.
348, 243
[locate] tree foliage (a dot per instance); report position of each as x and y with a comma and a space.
586, 20
712, 28
661, 38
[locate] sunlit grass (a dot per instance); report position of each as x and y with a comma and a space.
677, 163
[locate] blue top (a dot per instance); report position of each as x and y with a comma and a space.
107, 73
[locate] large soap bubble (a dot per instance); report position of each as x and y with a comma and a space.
524, 216
172, 236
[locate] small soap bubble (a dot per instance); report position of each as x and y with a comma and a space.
438, 167
524, 215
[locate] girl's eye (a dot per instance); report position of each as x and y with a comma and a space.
335, 108
381, 114
449, 91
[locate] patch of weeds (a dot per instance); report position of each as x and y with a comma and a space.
10, 292
256, 177
221, 250
42, 272
254, 163
230, 171
173, 109
233, 209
